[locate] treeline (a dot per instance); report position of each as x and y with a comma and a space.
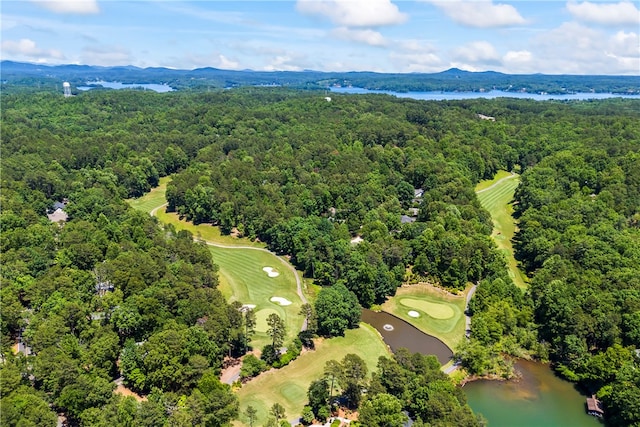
408, 384
106, 293
18, 76
579, 215
306, 176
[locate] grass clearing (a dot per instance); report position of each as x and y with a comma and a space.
496, 198
288, 386
433, 305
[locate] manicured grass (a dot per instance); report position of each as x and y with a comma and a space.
489, 182
242, 279
436, 310
261, 318
153, 199
240, 269
497, 200
288, 386
432, 304
156, 198
206, 232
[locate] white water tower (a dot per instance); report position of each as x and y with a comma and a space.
67, 89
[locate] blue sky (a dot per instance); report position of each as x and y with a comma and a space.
551, 37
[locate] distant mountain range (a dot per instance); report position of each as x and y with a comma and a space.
27, 74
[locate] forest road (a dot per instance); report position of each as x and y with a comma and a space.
282, 260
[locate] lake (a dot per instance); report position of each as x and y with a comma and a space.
538, 399
161, 88
441, 96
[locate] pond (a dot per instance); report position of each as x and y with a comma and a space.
539, 398
397, 334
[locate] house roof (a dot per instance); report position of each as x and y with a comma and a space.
58, 215
594, 405
404, 219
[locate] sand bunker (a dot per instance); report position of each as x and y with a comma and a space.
413, 313
249, 306
280, 300
271, 272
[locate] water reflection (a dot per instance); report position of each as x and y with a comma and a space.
397, 333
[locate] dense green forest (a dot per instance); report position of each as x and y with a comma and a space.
112, 293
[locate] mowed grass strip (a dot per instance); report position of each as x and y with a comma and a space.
489, 182
208, 232
288, 385
432, 304
496, 198
156, 197
243, 279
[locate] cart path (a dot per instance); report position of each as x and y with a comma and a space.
283, 260
472, 291
513, 175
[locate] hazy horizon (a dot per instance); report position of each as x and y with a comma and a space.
428, 36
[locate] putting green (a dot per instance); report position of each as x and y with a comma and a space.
441, 314
435, 310
261, 319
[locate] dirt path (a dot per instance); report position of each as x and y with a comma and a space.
513, 175
282, 260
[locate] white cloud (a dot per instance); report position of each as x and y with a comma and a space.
623, 12
29, 49
367, 36
517, 57
480, 13
627, 44
81, 7
417, 62
226, 63
354, 13
106, 55
518, 61
283, 63
213, 59
415, 56
478, 52
573, 48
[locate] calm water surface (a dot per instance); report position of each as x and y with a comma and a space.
440, 96
539, 399
406, 335
117, 85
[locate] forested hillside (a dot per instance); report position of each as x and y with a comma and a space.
111, 292
26, 76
